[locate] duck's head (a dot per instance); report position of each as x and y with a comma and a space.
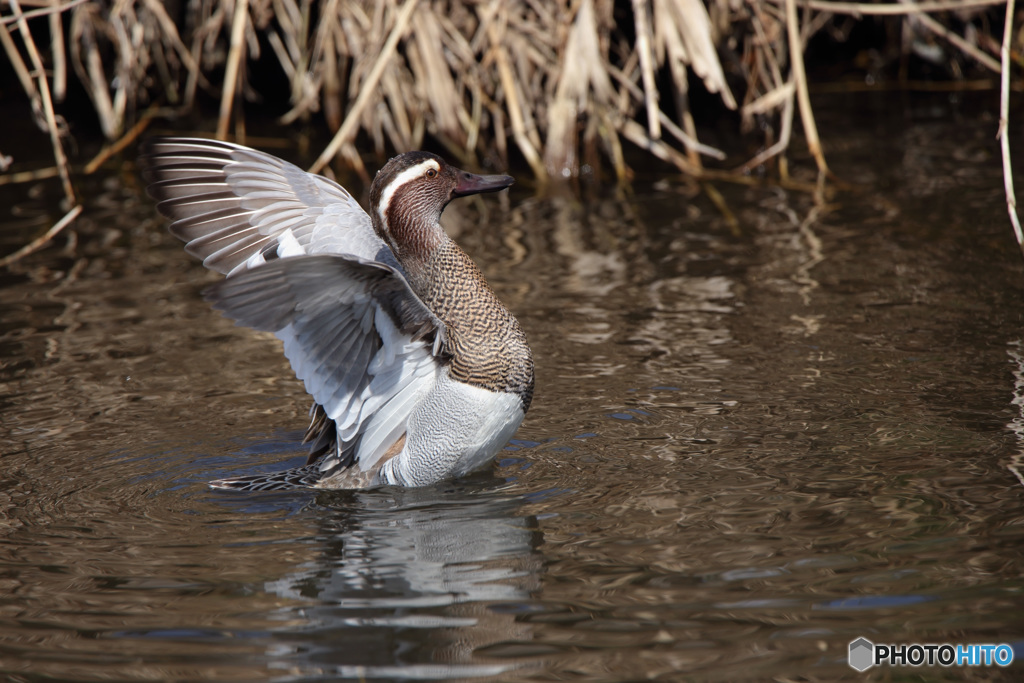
408, 195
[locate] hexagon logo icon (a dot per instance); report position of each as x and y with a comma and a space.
862, 654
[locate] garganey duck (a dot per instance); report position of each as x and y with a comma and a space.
417, 372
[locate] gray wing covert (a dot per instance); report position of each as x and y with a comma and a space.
364, 345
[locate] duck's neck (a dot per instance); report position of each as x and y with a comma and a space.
439, 272
412, 239
487, 346
448, 282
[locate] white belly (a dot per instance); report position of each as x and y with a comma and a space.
457, 429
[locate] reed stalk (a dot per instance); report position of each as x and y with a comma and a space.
1004, 123
556, 81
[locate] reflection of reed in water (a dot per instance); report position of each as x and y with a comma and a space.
411, 583
1017, 424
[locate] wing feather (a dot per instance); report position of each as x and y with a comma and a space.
232, 204
355, 334
362, 343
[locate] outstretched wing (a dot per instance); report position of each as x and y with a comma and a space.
237, 207
364, 345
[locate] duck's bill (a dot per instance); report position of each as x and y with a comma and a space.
470, 183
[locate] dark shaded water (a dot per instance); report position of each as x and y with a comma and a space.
749, 445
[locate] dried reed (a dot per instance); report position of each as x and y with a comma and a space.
1004, 131
565, 80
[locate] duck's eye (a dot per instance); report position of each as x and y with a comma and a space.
431, 173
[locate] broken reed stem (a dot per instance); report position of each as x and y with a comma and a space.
870, 9
24, 77
636, 134
940, 30
47, 101
367, 89
227, 96
55, 9
784, 135
60, 72
126, 139
29, 176
43, 239
515, 113
691, 143
796, 58
171, 34
644, 38
1004, 120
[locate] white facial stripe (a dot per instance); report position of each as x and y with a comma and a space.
401, 179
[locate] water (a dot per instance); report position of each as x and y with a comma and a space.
751, 442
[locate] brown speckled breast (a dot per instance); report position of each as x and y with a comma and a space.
487, 345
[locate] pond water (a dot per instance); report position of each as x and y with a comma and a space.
753, 441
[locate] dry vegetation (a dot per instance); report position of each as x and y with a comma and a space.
564, 82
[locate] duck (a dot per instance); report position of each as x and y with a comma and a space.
417, 371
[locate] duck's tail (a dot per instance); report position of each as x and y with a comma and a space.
304, 477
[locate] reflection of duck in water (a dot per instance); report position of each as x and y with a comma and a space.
417, 371
412, 582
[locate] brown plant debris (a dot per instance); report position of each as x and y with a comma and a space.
563, 80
